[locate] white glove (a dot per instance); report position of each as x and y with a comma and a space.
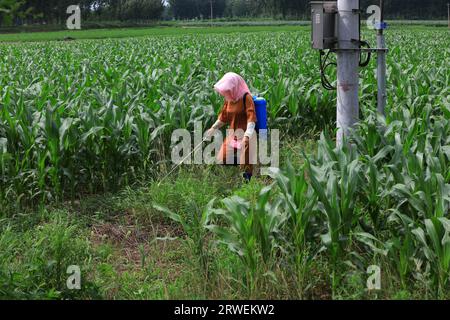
250, 130
219, 124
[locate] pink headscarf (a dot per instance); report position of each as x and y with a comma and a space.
232, 87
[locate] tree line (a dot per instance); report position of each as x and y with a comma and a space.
16, 12
299, 9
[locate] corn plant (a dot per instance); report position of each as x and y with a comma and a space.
434, 242
300, 202
196, 229
253, 232
335, 179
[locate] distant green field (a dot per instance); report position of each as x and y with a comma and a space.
135, 32
188, 27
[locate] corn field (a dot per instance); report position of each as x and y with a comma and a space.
93, 116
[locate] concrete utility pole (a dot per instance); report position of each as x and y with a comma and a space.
381, 65
212, 16
347, 67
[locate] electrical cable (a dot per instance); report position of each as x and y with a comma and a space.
325, 63
363, 43
323, 67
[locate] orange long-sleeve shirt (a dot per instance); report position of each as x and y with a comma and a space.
234, 114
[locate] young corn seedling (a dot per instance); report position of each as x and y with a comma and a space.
401, 246
299, 201
196, 229
376, 178
336, 180
434, 242
254, 232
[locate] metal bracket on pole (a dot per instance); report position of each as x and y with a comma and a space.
358, 11
364, 50
336, 26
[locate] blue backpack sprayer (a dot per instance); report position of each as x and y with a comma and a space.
261, 114
261, 122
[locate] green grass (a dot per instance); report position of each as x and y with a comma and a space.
137, 32
126, 249
35, 253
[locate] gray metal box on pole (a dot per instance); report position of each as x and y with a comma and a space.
336, 27
324, 33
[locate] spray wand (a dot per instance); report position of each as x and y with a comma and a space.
183, 160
